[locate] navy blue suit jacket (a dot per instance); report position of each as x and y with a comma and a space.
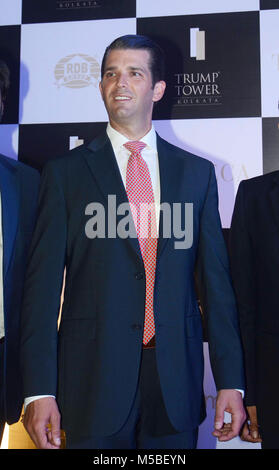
19, 187
92, 365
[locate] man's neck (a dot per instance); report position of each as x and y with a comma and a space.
130, 132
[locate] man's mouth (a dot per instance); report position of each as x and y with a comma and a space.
122, 98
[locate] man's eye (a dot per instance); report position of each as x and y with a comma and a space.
110, 74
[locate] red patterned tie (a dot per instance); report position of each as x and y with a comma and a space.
141, 198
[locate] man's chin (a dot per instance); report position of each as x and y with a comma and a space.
122, 116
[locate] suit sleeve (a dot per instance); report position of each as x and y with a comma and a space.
30, 184
217, 296
244, 284
42, 290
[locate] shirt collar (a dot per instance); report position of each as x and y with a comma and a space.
118, 140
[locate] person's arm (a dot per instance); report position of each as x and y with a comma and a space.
41, 305
243, 269
251, 430
219, 306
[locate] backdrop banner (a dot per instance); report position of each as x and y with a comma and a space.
221, 101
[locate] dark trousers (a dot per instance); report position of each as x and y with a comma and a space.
2, 412
147, 426
269, 435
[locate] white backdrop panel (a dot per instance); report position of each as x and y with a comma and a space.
62, 85
269, 34
10, 12
234, 146
192, 7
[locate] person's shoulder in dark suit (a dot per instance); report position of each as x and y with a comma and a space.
28, 180
19, 166
174, 150
260, 183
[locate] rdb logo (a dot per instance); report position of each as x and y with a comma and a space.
77, 71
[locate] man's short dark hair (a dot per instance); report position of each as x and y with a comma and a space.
135, 41
4, 79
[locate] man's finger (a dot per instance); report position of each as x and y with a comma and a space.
229, 400
234, 428
245, 436
237, 422
38, 434
55, 432
254, 431
41, 416
253, 424
219, 417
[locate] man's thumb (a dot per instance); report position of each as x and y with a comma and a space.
55, 431
219, 421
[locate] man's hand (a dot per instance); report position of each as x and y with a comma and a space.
42, 422
250, 431
230, 401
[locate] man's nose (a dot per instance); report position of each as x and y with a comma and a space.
122, 80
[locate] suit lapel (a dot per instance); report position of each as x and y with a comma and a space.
274, 197
9, 187
171, 171
103, 166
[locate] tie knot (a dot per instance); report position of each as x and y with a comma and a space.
135, 146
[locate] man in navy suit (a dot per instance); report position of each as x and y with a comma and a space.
254, 250
19, 186
112, 388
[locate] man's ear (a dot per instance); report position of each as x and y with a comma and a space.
159, 90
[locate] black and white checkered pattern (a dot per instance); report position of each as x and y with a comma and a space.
224, 108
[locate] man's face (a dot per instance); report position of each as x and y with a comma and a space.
126, 87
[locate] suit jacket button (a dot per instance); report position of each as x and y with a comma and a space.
139, 276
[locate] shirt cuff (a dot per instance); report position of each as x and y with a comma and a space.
241, 391
29, 400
